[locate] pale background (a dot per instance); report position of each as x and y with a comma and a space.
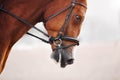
97, 57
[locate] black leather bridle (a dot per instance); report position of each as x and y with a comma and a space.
62, 36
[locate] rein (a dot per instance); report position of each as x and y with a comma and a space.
57, 40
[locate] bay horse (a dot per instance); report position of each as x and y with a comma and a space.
62, 20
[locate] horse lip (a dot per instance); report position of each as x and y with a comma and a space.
65, 63
70, 61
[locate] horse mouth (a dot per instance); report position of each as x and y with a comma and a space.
63, 56
68, 62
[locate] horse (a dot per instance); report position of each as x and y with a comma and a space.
62, 20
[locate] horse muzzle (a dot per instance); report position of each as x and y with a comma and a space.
63, 56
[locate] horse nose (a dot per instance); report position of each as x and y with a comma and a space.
70, 61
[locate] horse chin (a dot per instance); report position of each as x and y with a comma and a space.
63, 56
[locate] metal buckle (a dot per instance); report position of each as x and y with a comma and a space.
73, 4
57, 42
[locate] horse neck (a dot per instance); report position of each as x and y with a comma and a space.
30, 10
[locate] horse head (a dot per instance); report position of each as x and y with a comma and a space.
63, 23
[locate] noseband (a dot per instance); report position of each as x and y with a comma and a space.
57, 41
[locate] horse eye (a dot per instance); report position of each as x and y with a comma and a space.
78, 18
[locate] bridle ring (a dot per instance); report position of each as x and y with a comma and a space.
57, 42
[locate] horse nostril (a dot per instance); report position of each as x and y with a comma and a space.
70, 61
